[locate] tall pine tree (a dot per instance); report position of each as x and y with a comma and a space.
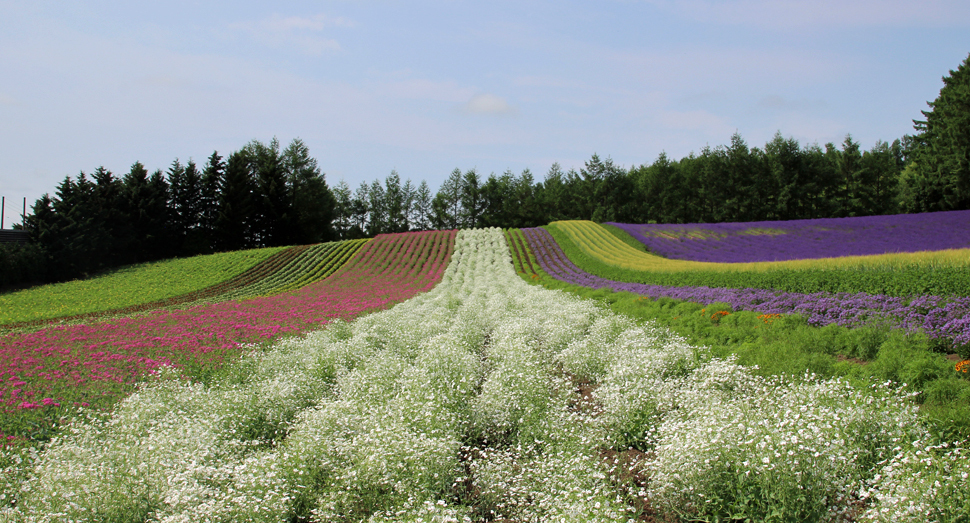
942, 160
233, 227
312, 202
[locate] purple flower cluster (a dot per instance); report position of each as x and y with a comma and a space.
946, 318
801, 239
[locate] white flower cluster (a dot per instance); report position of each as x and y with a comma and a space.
461, 404
365, 420
923, 483
772, 449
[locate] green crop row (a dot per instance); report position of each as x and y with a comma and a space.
313, 263
128, 286
418, 255
339, 255
787, 345
888, 279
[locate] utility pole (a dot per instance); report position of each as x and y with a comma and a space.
3, 203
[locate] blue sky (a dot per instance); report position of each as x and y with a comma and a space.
423, 87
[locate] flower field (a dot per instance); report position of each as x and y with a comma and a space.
129, 286
282, 269
46, 373
596, 241
945, 318
314, 263
805, 239
488, 399
604, 253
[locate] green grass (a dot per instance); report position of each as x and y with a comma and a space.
893, 275
127, 286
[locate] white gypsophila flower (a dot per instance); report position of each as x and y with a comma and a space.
457, 405
757, 447
922, 483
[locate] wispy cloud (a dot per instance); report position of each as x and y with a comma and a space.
775, 102
303, 33
424, 89
488, 104
786, 14
316, 22
7, 100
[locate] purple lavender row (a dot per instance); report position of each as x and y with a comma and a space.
803, 239
947, 318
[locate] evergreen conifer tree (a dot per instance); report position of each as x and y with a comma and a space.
342, 212
273, 220
360, 210
942, 158
421, 211
377, 210
312, 205
186, 208
395, 212
212, 178
235, 215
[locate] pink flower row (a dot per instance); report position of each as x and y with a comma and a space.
85, 363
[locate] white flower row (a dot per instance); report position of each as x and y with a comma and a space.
458, 405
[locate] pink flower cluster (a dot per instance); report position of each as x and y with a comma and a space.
97, 363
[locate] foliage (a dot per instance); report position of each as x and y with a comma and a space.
600, 253
21, 263
313, 264
48, 372
941, 173
457, 404
804, 239
778, 343
127, 286
260, 197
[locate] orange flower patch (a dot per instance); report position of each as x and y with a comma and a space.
768, 318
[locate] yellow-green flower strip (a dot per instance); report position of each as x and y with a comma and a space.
601, 252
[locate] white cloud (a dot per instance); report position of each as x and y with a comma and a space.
313, 23
295, 31
488, 104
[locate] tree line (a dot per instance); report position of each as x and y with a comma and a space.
784, 180
263, 196
259, 196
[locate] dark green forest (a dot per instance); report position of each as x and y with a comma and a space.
261, 195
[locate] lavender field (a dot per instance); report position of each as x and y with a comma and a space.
947, 318
805, 239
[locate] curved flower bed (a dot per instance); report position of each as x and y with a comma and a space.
461, 405
939, 317
805, 239
97, 363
